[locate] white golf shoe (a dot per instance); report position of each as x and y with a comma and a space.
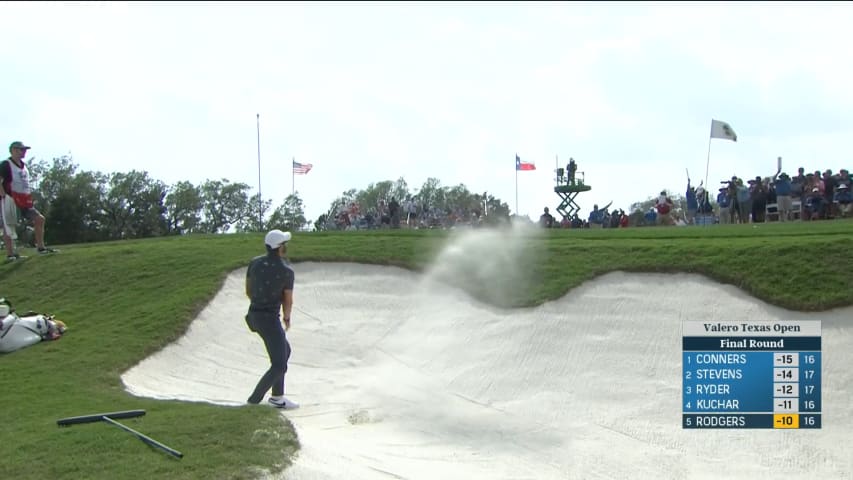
283, 402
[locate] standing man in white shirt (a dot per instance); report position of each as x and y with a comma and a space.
15, 181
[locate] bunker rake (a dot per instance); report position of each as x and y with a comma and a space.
109, 418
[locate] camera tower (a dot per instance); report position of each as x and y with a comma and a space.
568, 188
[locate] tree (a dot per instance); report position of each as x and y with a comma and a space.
369, 198
183, 208
459, 198
74, 214
431, 194
253, 219
321, 225
223, 204
495, 210
290, 215
133, 206
400, 189
48, 180
68, 199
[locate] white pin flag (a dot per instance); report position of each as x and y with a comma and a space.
720, 129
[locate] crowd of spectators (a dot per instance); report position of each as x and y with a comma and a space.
807, 197
409, 214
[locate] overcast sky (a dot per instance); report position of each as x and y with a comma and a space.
375, 91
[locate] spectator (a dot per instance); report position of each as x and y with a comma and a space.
744, 202
844, 178
818, 181
758, 199
724, 202
829, 192
411, 212
704, 200
394, 213
731, 193
784, 190
615, 218
813, 206
808, 186
383, 214
664, 206
651, 217
624, 220
576, 221
596, 216
546, 220
798, 184
692, 204
844, 198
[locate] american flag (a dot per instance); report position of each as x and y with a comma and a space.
301, 168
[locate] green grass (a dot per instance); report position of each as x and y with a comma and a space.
125, 300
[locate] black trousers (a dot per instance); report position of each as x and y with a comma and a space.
269, 328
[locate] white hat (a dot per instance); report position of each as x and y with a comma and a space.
843, 185
276, 237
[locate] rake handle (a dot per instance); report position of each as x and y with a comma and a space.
150, 441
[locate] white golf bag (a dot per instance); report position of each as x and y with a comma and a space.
19, 332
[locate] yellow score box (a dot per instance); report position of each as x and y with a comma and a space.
786, 420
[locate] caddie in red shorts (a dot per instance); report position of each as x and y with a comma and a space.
15, 181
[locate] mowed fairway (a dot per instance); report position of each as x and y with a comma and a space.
124, 301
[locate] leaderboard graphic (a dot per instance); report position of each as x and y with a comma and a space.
751, 374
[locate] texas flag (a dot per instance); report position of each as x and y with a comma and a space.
519, 165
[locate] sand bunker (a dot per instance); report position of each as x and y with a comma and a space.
401, 378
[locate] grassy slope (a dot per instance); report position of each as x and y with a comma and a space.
125, 300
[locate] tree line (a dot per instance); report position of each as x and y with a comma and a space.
89, 206
86, 206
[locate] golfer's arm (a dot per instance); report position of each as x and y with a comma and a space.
287, 303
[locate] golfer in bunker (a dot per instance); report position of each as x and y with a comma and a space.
269, 286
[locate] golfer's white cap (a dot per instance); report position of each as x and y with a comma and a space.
275, 238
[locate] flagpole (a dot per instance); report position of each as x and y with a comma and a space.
292, 177
260, 198
516, 185
708, 161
